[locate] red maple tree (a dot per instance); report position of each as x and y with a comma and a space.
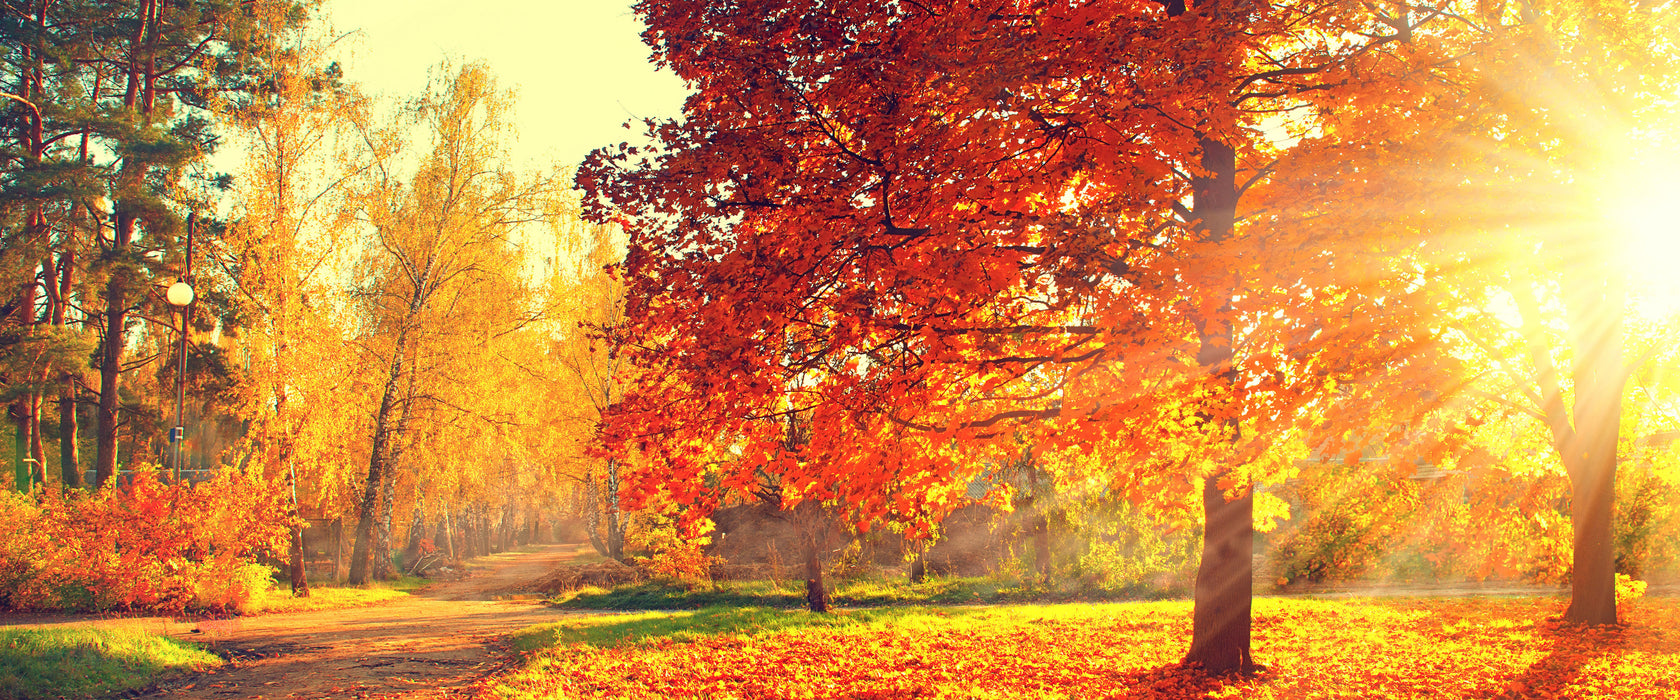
933, 235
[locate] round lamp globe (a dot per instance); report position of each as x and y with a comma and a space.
180, 294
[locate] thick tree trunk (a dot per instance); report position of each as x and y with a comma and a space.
299, 577
816, 592
1589, 453
137, 96
110, 359
918, 566
1220, 637
69, 452
1224, 583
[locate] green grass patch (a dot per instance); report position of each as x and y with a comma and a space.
328, 598
613, 630
864, 592
333, 597
89, 662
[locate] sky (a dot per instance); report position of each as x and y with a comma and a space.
579, 66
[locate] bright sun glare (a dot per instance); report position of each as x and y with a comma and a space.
1646, 209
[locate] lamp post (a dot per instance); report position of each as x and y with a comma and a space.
180, 295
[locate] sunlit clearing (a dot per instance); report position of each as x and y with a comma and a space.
1647, 210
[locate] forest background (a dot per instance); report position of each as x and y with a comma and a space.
1274, 310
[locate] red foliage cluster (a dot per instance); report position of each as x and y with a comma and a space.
147, 545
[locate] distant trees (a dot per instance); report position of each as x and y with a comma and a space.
113, 104
347, 261
442, 278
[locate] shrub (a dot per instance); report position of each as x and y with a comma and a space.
147, 545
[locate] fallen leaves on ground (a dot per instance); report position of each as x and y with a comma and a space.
1466, 648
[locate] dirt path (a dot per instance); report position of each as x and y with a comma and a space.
434, 644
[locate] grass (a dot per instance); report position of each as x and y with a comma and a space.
1474, 647
91, 662
614, 630
333, 597
861, 592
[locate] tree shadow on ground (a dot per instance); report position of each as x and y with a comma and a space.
1571, 647
1173, 681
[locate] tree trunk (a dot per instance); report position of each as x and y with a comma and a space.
20, 448
416, 533
816, 592
69, 453
615, 526
136, 96
362, 552
918, 566
1224, 583
299, 577
1041, 545
1590, 452
383, 569
1220, 636
37, 451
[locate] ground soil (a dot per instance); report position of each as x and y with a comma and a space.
435, 644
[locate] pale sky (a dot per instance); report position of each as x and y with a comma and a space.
579, 66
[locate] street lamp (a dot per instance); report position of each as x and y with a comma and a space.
179, 295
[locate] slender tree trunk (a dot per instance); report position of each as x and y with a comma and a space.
443, 536
362, 551
299, 577
615, 525
592, 517
20, 448
918, 566
37, 451
69, 449
382, 564
484, 531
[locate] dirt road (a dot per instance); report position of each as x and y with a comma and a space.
434, 644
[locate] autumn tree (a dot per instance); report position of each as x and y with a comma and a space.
587, 300
439, 241
1557, 142
1058, 224
116, 100
284, 246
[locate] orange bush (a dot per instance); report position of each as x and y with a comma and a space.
147, 545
